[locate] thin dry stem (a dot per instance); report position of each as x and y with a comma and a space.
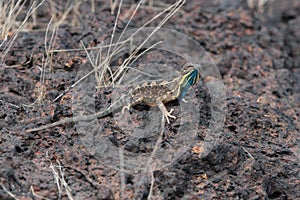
15, 33
172, 10
46, 60
8, 17
119, 45
36, 195
151, 186
8, 192
113, 5
59, 178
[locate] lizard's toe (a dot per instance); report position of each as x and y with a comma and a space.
125, 107
168, 114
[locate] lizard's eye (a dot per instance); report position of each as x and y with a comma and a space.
187, 69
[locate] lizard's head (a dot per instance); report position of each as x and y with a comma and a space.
190, 77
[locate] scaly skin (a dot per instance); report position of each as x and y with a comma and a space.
152, 94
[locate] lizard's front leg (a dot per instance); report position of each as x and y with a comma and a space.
164, 110
124, 108
129, 103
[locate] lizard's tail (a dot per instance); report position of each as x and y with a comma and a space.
115, 107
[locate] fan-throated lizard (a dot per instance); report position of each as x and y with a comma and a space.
152, 94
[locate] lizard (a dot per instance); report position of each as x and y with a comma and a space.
150, 93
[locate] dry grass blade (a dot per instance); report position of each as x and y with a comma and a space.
135, 58
103, 64
259, 5
121, 69
8, 192
36, 195
113, 4
9, 21
10, 11
149, 166
59, 178
68, 13
171, 11
46, 61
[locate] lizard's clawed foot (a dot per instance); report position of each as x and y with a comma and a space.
185, 101
125, 107
168, 114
